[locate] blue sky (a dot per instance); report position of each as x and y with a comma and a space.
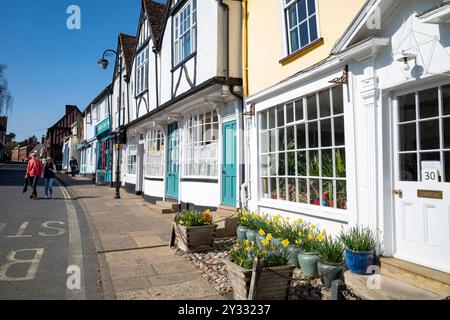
49, 65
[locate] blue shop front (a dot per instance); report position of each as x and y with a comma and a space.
104, 161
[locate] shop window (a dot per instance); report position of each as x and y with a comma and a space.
131, 158
302, 150
154, 154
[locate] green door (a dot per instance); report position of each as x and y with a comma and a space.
229, 165
172, 173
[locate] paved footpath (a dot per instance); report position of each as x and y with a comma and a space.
132, 243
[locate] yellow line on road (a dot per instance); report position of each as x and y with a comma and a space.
64, 191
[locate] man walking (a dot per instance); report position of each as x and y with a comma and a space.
73, 166
34, 171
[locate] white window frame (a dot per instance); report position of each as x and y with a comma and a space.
142, 70
154, 158
188, 14
265, 152
285, 5
132, 150
201, 153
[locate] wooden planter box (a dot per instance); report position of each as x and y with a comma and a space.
195, 238
270, 286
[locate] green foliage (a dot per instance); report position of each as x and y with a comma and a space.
331, 251
189, 218
327, 165
340, 164
244, 253
314, 166
358, 239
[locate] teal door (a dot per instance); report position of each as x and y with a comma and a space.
172, 173
229, 165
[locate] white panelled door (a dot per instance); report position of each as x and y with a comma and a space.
422, 177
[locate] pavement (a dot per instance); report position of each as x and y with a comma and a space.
132, 246
40, 241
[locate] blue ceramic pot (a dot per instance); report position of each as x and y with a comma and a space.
251, 235
358, 262
241, 233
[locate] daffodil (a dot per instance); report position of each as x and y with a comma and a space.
285, 243
261, 232
248, 249
265, 242
320, 237
310, 237
246, 242
269, 237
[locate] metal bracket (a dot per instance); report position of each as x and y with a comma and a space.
343, 79
251, 112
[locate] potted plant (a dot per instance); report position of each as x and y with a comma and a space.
274, 280
194, 230
309, 256
330, 265
290, 232
252, 227
242, 220
359, 246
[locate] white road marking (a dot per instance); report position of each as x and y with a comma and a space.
20, 232
12, 260
2, 227
75, 249
60, 232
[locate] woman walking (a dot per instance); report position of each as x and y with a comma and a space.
34, 171
49, 175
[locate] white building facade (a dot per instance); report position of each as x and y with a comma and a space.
363, 138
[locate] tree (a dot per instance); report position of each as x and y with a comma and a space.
6, 99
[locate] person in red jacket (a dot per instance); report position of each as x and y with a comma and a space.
34, 171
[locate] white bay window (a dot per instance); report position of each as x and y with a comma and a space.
302, 150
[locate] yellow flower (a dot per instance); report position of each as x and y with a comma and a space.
320, 238
285, 243
246, 242
324, 232
269, 237
313, 226
265, 242
261, 232
248, 249
310, 237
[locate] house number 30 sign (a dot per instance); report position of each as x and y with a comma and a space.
431, 171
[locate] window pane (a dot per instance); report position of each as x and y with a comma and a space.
301, 163
273, 164
313, 34
324, 103
311, 7
447, 166
341, 194
407, 137
429, 135
430, 156
325, 133
299, 110
408, 167
290, 113
282, 188
446, 99
265, 187
327, 163
292, 190
304, 38
281, 140
265, 142
290, 137
312, 107
313, 164
339, 131
327, 193
314, 192
272, 118
272, 141
294, 40
301, 8
407, 108
273, 188
302, 191
301, 138
280, 116
281, 164
340, 164
292, 14
338, 100
291, 163
313, 134
446, 133
264, 165
429, 105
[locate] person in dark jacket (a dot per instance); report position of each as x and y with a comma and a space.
49, 176
73, 166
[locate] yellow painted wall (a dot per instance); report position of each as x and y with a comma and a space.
265, 39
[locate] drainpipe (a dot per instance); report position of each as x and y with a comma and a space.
226, 8
245, 45
156, 75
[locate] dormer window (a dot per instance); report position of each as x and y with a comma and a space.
301, 23
185, 25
